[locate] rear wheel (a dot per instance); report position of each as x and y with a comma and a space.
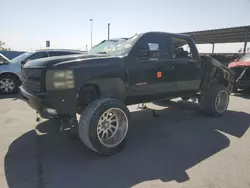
8, 84
103, 126
215, 101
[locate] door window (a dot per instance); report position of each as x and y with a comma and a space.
181, 48
37, 55
52, 54
154, 48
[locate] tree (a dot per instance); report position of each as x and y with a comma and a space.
2, 48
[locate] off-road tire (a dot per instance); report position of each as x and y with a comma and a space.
15, 81
87, 127
208, 98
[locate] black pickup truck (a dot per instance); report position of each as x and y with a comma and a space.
119, 72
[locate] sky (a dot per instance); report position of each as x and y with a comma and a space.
27, 24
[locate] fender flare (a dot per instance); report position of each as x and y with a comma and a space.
108, 88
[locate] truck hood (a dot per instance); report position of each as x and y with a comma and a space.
67, 61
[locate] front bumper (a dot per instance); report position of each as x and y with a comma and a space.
54, 104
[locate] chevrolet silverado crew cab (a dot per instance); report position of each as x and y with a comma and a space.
119, 72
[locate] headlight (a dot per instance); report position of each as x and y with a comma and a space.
59, 79
63, 74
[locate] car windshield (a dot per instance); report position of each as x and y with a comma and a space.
114, 47
245, 58
21, 57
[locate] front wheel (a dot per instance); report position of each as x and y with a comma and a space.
215, 101
103, 126
8, 84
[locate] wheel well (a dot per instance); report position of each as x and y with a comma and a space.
101, 88
11, 74
88, 93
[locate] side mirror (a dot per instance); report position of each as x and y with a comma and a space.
236, 60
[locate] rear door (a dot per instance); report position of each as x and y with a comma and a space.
151, 70
187, 63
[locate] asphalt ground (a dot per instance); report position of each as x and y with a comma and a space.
180, 148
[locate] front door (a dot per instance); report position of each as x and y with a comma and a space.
152, 71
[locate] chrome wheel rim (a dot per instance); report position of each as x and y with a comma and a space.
221, 101
7, 85
112, 127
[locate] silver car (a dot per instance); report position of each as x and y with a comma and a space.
10, 73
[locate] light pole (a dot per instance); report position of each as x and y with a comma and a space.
91, 31
108, 30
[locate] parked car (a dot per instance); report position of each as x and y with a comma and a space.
242, 72
10, 72
11, 54
118, 72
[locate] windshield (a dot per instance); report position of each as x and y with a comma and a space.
21, 57
245, 58
114, 47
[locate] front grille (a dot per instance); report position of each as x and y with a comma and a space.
33, 72
33, 85
33, 80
